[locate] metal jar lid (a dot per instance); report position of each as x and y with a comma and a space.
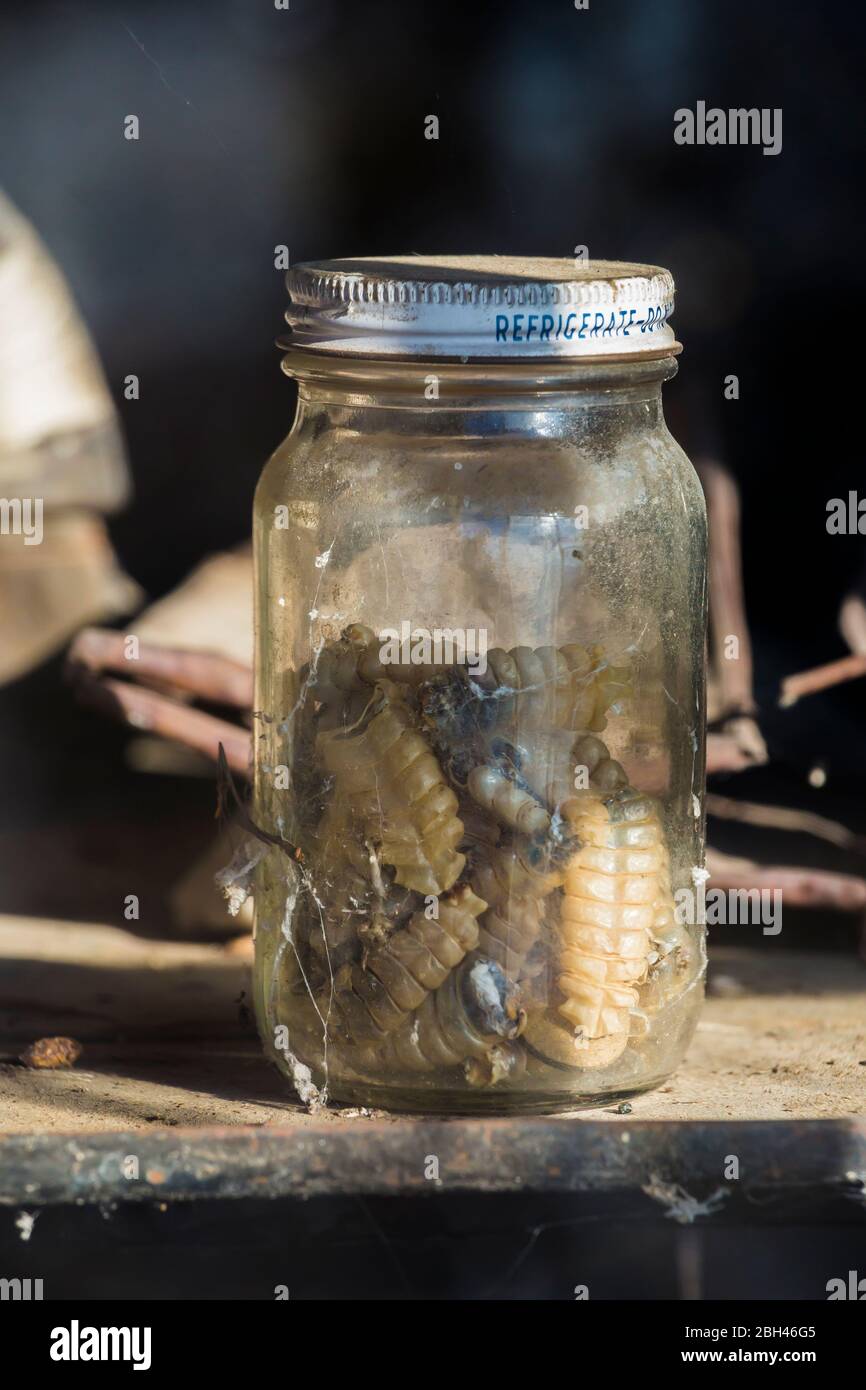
481, 307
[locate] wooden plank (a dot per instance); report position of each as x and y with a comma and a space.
682, 1166
172, 1076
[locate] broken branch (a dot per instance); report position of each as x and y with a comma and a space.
799, 887
147, 710
204, 674
733, 674
785, 818
847, 668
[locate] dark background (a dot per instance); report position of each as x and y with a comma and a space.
306, 128
262, 127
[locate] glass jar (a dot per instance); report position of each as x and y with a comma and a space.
479, 740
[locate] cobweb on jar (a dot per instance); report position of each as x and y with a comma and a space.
298, 879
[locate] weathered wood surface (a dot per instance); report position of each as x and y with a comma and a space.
167, 1033
171, 1076
684, 1167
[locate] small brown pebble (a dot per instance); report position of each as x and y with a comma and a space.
51, 1053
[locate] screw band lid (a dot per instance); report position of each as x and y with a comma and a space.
480, 307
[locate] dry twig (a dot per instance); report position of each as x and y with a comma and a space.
786, 818
852, 622
732, 675
847, 668
159, 714
800, 887
204, 674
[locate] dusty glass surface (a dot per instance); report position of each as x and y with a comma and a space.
479, 730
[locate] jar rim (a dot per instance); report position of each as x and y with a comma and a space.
360, 373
